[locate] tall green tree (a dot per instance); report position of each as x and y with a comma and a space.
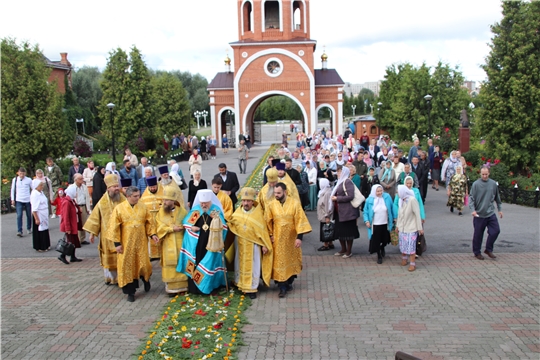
404, 111
33, 125
85, 84
126, 83
510, 116
170, 105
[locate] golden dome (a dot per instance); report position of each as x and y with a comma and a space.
324, 57
227, 60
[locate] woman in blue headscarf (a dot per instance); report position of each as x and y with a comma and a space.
379, 218
387, 178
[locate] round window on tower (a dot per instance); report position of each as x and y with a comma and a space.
273, 67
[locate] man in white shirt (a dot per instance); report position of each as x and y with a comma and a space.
21, 187
83, 203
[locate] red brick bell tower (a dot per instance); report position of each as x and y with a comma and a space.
273, 56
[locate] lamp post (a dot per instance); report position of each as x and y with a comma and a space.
353, 109
111, 107
204, 114
197, 114
428, 102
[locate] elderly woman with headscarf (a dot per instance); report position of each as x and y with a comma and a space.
71, 222
195, 185
111, 169
457, 190
40, 210
409, 183
47, 187
99, 185
324, 212
449, 168
387, 178
409, 225
345, 215
324, 172
379, 218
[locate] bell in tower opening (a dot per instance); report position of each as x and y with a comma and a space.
271, 14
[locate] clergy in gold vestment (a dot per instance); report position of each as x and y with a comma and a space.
130, 226
97, 225
253, 247
284, 178
152, 199
266, 195
287, 223
171, 232
228, 209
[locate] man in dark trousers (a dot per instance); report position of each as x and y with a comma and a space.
230, 182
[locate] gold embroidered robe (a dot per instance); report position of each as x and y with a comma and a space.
292, 191
97, 225
285, 221
228, 209
263, 198
131, 226
153, 203
250, 228
171, 244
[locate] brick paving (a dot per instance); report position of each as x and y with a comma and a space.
452, 307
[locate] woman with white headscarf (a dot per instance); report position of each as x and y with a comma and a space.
40, 210
111, 169
379, 219
345, 215
71, 222
409, 225
324, 212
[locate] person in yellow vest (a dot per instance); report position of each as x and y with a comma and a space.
97, 224
266, 195
129, 228
283, 177
152, 199
287, 223
171, 232
167, 181
254, 255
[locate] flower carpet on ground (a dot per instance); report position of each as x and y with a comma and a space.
198, 327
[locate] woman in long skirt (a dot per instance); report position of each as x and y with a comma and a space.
345, 215
409, 225
40, 211
324, 213
457, 191
311, 171
379, 219
71, 222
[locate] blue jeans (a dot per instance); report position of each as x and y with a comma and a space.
19, 206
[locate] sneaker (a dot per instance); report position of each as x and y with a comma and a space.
29, 231
19, 234
53, 216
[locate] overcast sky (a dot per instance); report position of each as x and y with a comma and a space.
361, 37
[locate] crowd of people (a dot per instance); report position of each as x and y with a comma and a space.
139, 212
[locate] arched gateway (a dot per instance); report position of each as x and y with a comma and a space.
273, 56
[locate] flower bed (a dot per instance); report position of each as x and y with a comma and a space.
198, 327
255, 180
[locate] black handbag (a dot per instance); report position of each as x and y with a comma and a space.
65, 248
184, 185
421, 246
328, 231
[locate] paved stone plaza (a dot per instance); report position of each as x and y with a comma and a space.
452, 307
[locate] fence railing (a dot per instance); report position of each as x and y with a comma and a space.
515, 195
